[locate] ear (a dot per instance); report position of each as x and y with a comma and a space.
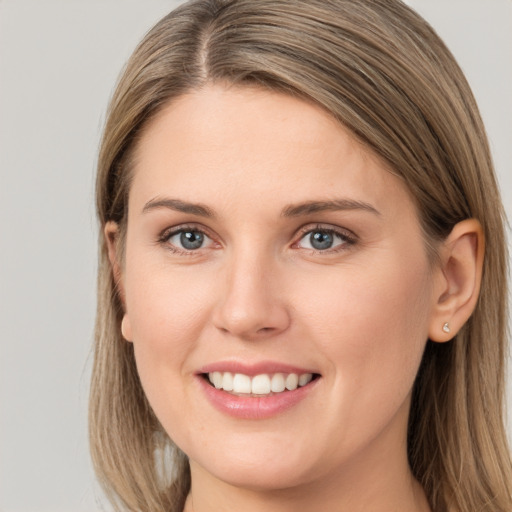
459, 277
111, 233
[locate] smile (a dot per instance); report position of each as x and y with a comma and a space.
257, 390
258, 385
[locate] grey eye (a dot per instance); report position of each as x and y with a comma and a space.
189, 240
321, 240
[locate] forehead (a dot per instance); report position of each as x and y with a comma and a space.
220, 143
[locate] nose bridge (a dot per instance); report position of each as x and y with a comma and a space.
251, 304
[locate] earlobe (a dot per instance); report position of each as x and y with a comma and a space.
126, 328
460, 274
111, 233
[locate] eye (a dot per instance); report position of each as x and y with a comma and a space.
322, 239
186, 239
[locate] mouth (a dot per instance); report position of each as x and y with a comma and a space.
257, 391
262, 385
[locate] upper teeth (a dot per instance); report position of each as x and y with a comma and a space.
259, 384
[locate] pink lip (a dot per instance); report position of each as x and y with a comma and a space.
253, 369
252, 407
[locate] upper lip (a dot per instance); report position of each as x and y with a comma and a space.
252, 369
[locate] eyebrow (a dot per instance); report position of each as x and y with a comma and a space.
179, 206
293, 210
321, 206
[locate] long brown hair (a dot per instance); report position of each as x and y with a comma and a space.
383, 73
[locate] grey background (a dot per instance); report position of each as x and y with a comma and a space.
58, 63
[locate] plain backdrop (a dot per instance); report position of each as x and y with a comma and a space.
59, 61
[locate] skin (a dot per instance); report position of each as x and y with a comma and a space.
358, 314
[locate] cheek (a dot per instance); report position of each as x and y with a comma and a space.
387, 300
167, 314
373, 329
373, 325
166, 310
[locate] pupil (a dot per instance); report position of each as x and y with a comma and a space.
321, 240
191, 239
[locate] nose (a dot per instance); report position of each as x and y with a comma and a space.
251, 304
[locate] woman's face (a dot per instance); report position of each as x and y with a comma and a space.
265, 246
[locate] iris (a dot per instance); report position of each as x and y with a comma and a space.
321, 240
191, 239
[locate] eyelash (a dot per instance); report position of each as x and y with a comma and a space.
168, 233
348, 238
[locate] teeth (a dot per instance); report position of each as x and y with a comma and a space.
263, 384
217, 379
292, 381
278, 383
227, 382
241, 383
305, 378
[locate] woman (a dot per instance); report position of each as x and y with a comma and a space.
301, 286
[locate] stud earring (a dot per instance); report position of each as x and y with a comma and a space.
446, 327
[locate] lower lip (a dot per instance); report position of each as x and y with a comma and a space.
254, 407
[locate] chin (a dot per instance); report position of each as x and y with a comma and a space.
268, 477
260, 461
